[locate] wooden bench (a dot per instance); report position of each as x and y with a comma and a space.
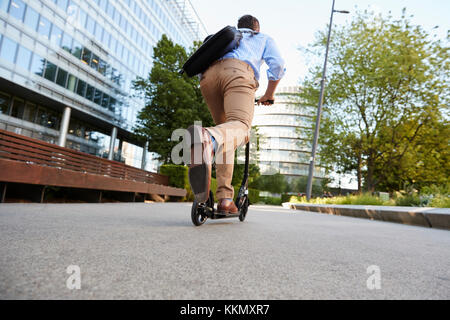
34, 162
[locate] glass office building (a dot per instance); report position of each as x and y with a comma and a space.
285, 131
67, 66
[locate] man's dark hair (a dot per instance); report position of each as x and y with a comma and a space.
248, 21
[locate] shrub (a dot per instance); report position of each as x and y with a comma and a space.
286, 197
363, 199
253, 194
178, 177
410, 200
440, 201
366, 199
271, 200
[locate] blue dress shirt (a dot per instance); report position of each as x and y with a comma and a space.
254, 48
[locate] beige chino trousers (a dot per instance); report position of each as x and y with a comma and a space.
228, 87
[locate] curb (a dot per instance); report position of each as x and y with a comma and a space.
424, 217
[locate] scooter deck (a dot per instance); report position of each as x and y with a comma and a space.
214, 214
224, 215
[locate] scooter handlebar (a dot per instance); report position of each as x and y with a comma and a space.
269, 101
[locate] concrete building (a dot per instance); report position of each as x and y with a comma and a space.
67, 66
285, 135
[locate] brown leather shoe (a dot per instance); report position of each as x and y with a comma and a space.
226, 206
200, 167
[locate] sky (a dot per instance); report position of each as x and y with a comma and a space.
294, 23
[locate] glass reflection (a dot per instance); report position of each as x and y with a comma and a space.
8, 49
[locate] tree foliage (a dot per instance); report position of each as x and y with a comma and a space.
386, 102
172, 100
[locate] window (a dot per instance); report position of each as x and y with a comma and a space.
98, 32
71, 82
56, 35
31, 18
37, 64
23, 57
17, 9
104, 4
94, 61
30, 112
102, 67
4, 6
90, 92
48, 118
112, 104
86, 57
117, 17
81, 87
125, 55
50, 71
76, 128
123, 24
61, 78
72, 8
105, 37
105, 100
62, 4
110, 11
98, 97
8, 50
44, 27
82, 18
18, 107
77, 49
113, 44
90, 25
66, 42
4, 103
119, 50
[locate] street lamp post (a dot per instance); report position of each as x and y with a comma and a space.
319, 109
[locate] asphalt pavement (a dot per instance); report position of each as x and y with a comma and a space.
152, 251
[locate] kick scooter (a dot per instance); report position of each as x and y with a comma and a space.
203, 211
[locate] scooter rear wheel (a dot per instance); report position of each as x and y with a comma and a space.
198, 211
198, 215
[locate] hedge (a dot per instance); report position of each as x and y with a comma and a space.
271, 200
253, 194
179, 178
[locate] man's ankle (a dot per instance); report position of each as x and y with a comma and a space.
214, 142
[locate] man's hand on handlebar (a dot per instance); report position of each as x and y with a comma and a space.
268, 98
265, 100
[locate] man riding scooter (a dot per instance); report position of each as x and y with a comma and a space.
228, 87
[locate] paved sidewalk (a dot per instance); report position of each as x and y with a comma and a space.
152, 251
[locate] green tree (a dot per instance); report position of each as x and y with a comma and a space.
172, 100
385, 101
275, 183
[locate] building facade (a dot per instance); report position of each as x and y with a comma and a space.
67, 66
285, 130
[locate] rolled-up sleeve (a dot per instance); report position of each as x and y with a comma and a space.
272, 57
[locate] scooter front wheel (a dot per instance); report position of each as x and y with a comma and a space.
243, 210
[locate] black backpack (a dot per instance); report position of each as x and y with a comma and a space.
214, 47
